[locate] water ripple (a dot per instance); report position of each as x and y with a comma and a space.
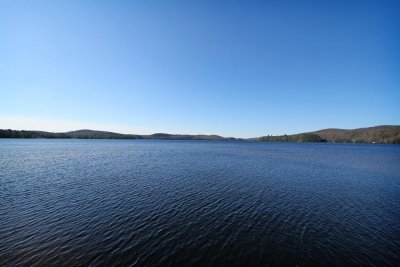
175, 203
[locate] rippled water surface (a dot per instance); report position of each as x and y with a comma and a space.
198, 203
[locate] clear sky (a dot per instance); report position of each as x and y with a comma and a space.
234, 68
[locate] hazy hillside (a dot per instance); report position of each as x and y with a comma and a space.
386, 134
165, 136
91, 134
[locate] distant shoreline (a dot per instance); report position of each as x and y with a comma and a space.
386, 134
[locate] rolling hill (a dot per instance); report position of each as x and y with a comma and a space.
385, 134
91, 134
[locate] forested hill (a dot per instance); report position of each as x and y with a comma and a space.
378, 135
91, 134
386, 134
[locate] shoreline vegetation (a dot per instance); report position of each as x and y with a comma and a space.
386, 134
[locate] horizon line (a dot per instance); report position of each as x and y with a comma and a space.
197, 134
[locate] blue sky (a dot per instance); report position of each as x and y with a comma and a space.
234, 68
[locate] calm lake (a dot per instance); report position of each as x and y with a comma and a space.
198, 203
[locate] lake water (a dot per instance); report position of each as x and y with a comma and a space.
198, 203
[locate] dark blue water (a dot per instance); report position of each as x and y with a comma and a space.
198, 203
